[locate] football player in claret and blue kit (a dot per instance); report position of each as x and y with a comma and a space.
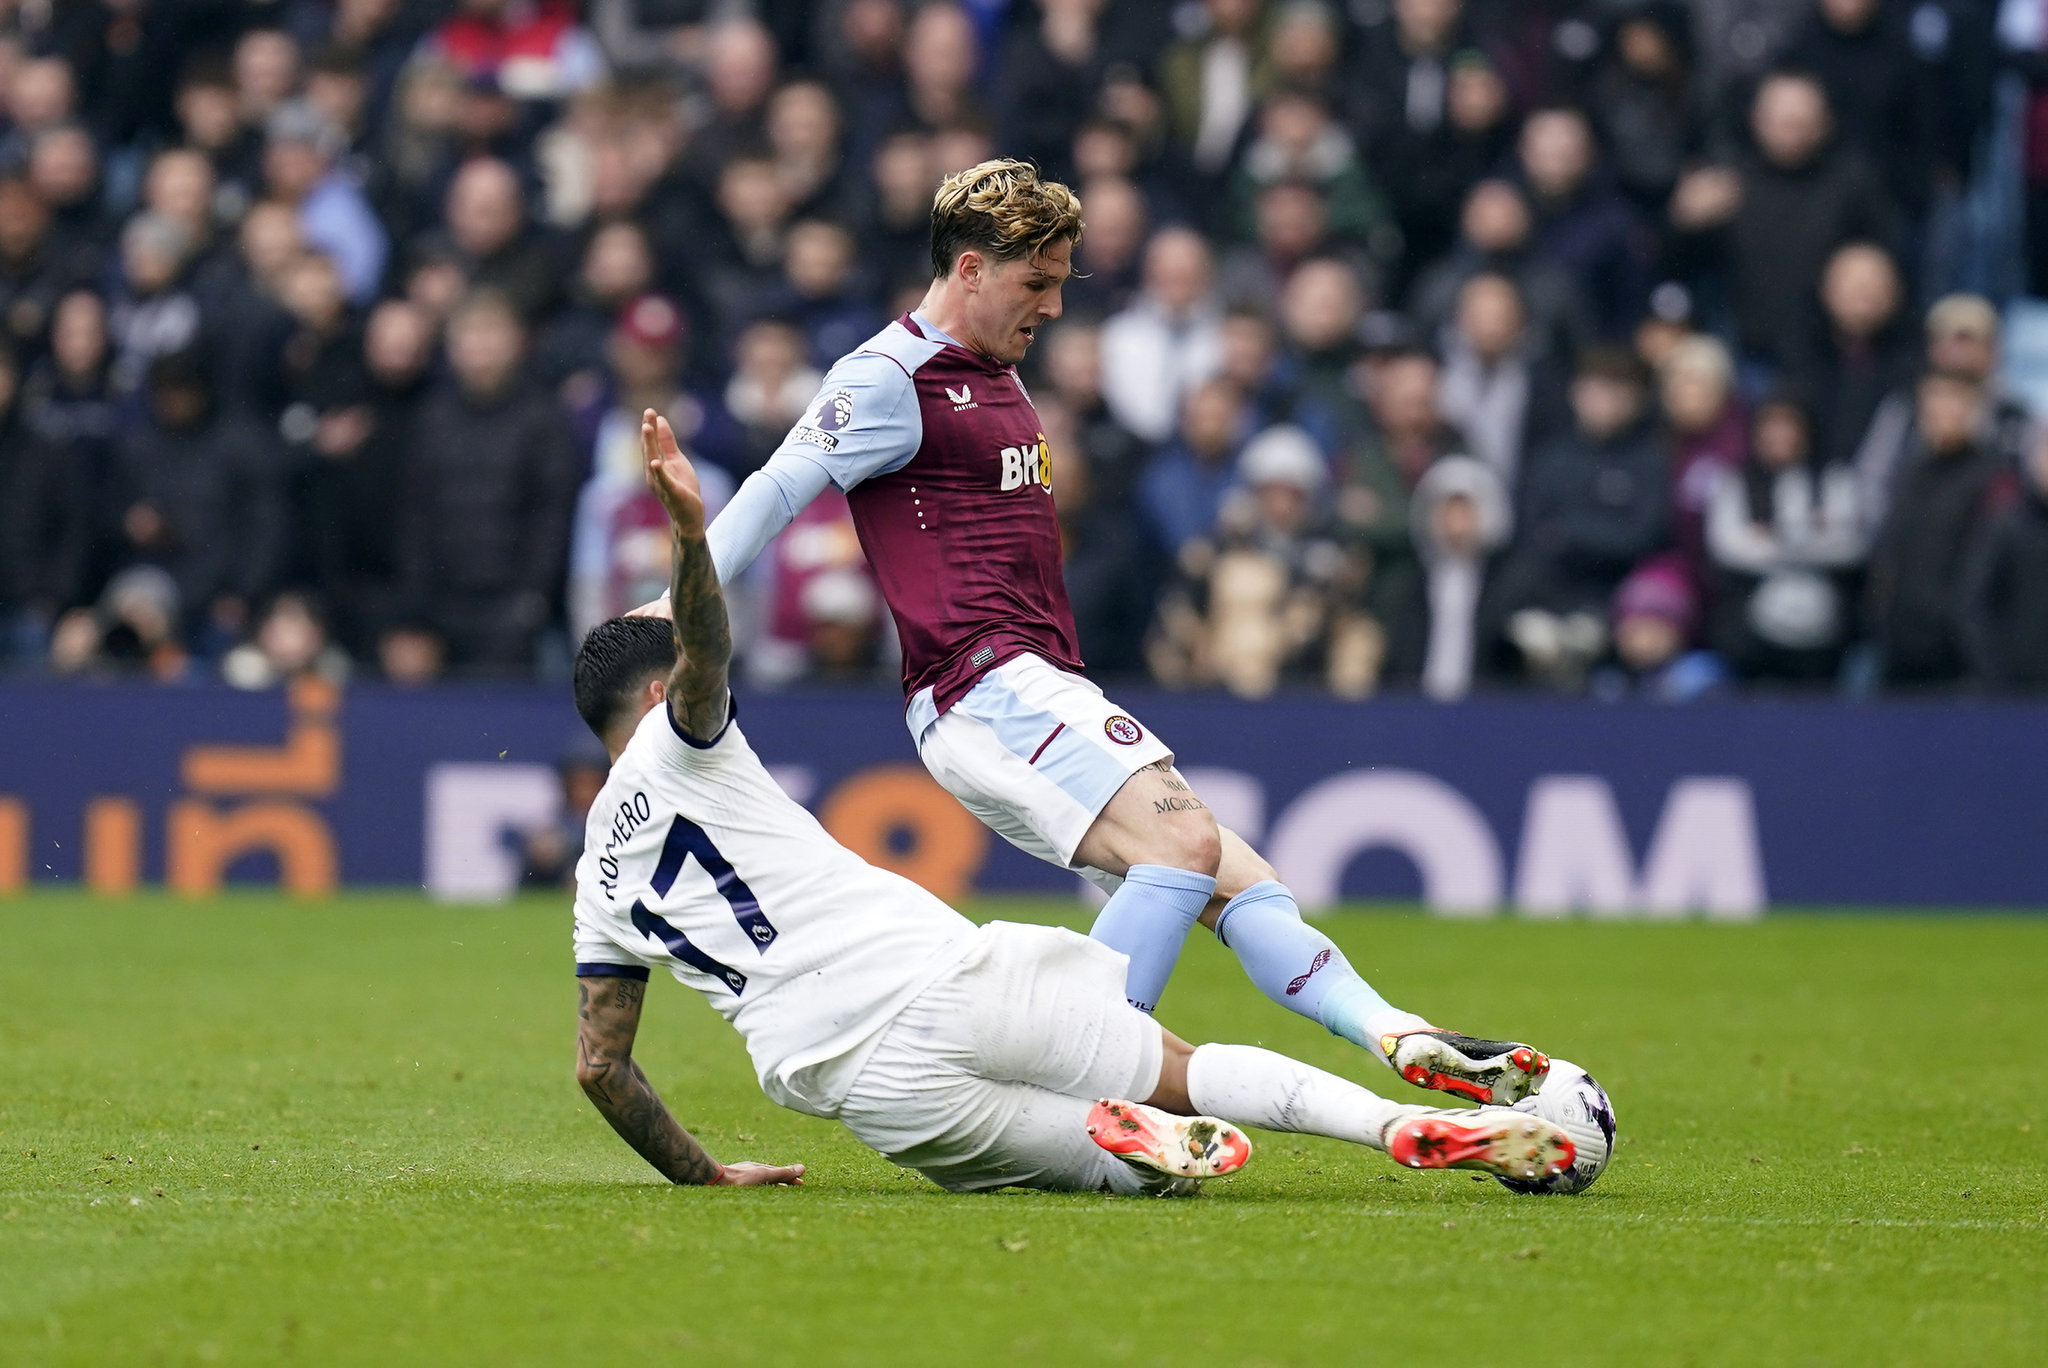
929, 431
983, 1057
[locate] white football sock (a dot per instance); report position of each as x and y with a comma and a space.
1254, 1087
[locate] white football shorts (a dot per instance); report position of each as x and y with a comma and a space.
985, 1079
1036, 753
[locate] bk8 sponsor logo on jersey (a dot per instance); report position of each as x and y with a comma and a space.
1027, 465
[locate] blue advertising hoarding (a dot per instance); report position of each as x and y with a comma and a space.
1548, 807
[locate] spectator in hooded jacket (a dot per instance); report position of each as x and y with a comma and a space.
1940, 503
1459, 519
1595, 502
202, 497
1786, 536
72, 417
2008, 589
1864, 349
1646, 101
489, 493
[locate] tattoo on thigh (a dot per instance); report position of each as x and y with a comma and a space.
1178, 805
582, 1001
630, 993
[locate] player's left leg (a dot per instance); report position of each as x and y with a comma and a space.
1297, 966
1255, 1087
1058, 770
1042, 1012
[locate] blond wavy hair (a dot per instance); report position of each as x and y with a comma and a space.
1003, 209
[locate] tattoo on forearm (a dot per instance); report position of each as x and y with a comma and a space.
617, 1087
622, 1094
702, 632
644, 1123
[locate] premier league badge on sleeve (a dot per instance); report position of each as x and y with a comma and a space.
835, 413
823, 430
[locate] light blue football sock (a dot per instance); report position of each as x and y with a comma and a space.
1301, 969
1147, 919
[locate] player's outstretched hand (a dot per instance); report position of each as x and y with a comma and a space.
747, 1173
670, 475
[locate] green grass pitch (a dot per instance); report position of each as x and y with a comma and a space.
250, 1131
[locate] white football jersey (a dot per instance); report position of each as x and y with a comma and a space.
695, 859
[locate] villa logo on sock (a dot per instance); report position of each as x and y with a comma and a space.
1300, 982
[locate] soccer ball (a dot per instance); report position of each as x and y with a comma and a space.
1570, 1098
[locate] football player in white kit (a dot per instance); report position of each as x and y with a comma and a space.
982, 1057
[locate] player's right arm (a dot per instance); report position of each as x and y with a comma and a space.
697, 695
864, 422
607, 1020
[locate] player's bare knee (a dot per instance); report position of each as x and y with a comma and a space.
1239, 869
1192, 843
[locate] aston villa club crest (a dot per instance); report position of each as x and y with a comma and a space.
1123, 730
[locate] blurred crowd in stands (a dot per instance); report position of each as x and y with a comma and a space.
1622, 346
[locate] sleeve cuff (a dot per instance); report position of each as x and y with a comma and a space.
603, 970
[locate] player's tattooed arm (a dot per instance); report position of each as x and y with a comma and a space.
697, 688
607, 1020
